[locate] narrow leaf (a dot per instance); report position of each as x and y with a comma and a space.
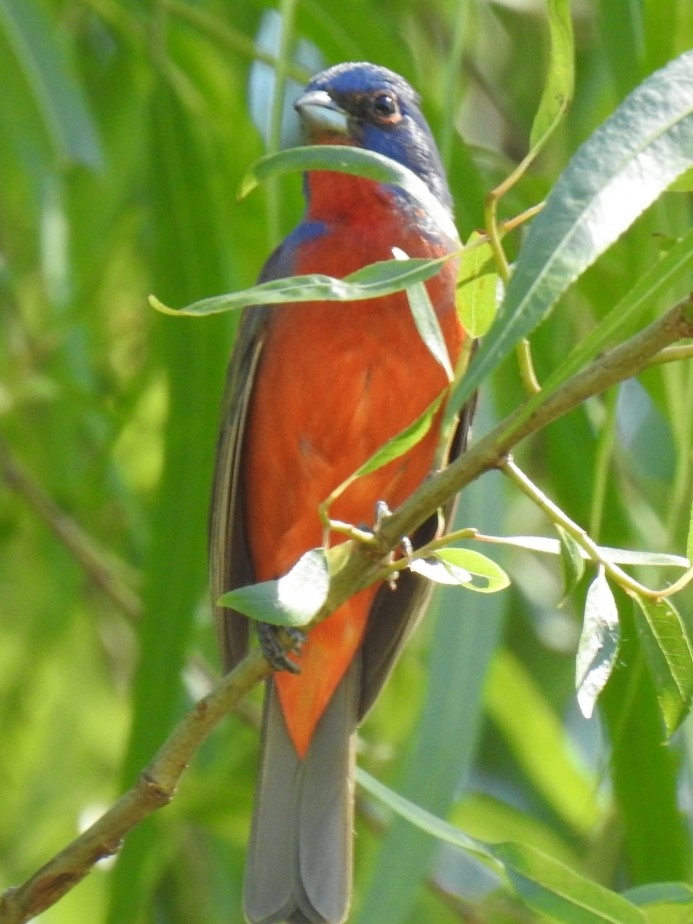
293, 600
426, 320
669, 655
372, 281
598, 646
401, 443
560, 80
551, 888
544, 883
684, 183
354, 161
689, 540
615, 556
616, 174
426, 821
477, 287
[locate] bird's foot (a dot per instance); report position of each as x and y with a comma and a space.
382, 512
277, 642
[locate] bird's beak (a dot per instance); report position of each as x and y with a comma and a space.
319, 113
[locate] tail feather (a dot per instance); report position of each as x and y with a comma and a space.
299, 857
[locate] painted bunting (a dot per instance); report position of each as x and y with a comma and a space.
313, 390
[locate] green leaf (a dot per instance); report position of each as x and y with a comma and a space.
616, 174
535, 734
426, 320
664, 902
423, 819
560, 80
684, 183
573, 561
689, 540
615, 556
489, 576
53, 83
545, 884
477, 287
598, 647
672, 271
293, 600
400, 443
669, 656
433, 569
354, 161
372, 281
551, 888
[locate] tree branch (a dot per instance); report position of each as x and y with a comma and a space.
155, 788
626, 360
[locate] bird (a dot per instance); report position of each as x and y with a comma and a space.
313, 390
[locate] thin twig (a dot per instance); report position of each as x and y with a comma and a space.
585, 541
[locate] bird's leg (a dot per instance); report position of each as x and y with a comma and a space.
276, 642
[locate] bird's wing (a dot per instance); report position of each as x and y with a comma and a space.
229, 554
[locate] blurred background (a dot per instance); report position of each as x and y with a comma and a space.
125, 129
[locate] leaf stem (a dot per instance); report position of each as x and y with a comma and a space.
584, 540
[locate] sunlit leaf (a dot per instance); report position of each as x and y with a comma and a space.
689, 539
598, 646
402, 442
669, 656
373, 281
426, 321
439, 572
354, 161
487, 576
477, 287
615, 556
292, 600
616, 174
560, 80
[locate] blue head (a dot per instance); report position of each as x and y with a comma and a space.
374, 108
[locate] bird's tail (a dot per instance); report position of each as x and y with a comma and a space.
299, 858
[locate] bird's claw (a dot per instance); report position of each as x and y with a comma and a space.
382, 512
276, 651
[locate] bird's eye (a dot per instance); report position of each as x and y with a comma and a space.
385, 107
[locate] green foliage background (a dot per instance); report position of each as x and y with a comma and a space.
125, 129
